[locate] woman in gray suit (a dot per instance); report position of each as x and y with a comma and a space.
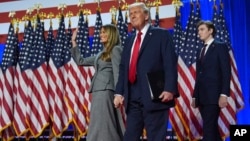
105, 120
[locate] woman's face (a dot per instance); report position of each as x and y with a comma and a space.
103, 36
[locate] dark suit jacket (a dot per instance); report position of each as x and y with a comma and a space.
213, 74
156, 53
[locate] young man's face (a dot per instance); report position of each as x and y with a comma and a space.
204, 33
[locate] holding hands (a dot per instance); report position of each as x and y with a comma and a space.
118, 101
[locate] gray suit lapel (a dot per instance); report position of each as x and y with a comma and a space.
96, 59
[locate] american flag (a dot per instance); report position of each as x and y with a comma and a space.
86, 73
123, 31
82, 37
89, 72
174, 116
38, 104
22, 83
157, 19
228, 114
7, 97
57, 77
126, 23
122, 27
69, 35
186, 49
49, 42
76, 92
87, 52
97, 46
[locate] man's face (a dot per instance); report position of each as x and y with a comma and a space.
137, 17
204, 33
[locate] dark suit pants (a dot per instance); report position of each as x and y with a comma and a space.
210, 115
155, 123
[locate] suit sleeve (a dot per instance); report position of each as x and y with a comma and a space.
122, 74
89, 61
224, 58
170, 63
116, 59
196, 86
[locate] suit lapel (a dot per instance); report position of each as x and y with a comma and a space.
146, 39
96, 59
209, 51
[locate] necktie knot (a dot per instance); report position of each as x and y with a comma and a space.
205, 45
139, 34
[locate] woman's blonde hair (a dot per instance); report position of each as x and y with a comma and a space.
113, 40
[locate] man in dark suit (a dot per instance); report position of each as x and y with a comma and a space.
156, 53
212, 85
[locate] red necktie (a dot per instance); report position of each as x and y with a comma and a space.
133, 61
203, 52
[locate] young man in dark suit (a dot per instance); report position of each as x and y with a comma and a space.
155, 53
212, 85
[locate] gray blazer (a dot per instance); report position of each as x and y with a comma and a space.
106, 73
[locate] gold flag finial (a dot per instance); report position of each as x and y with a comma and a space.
148, 3
38, 7
11, 16
29, 11
62, 7
98, 4
25, 18
157, 3
125, 6
177, 4
42, 15
50, 16
120, 1
17, 21
86, 12
59, 16
33, 20
80, 3
69, 14
113, 11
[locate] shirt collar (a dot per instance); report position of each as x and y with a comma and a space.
144, 29
209, 42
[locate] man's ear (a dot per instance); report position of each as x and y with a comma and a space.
211, 31
147, 17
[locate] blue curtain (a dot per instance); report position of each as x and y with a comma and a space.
235, 12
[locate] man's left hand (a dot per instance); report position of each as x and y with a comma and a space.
223, 101
166, 96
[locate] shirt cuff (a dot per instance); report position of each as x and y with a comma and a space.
118, 95
223, 95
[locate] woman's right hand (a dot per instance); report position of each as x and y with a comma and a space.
73, 38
